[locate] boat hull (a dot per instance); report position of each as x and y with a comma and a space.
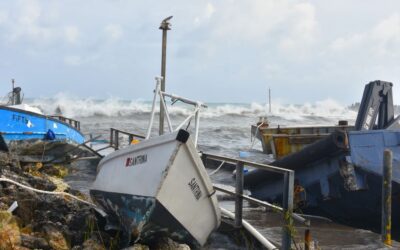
344, 184
158, 187
141, 217
287, 140
26, 133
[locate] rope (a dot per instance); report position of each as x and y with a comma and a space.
216, 170
4, 179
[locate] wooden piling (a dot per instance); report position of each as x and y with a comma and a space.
307, 239
387, 197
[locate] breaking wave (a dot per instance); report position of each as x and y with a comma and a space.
115, 107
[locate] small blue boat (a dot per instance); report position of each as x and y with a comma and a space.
340, 176
33, 135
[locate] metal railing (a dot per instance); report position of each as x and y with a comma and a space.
194, 114
74, 123
287, 203
115, 137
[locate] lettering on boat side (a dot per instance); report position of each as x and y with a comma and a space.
195, 188
132, 161
20, 118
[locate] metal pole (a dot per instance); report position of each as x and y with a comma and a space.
269, 99
111, 137
116, 139
287, 209
153, 106
387, 197
197, 118
130, 139
164, 26
12, 92
239, 191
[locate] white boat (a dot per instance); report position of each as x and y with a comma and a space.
158, 187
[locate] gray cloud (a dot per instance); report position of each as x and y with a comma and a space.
226, 50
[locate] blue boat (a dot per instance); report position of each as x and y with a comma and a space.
341, 176
35, 136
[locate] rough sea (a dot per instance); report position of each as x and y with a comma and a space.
224, 127
224, 130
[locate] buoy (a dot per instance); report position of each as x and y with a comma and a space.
134, 141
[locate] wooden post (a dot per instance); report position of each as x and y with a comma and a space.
239, 191
307, 239
387, 197
287, 210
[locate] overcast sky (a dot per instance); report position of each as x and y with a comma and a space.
218, 51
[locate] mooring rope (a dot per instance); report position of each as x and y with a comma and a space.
4, 179
216, 170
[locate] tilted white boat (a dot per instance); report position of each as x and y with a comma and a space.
158, 187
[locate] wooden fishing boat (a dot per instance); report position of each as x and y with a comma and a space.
158, 187
33, 135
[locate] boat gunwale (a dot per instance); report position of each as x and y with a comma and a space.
40, 116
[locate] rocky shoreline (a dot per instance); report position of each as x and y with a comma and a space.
51, 221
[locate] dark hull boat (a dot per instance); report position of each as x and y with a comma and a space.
338, 180
340, 176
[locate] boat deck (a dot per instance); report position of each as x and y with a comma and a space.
325, 234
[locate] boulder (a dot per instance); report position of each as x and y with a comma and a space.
34, 242
54, 237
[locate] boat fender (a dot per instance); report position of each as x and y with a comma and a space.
182, 136
50, 135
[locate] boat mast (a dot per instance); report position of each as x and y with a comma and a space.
164, 26
12, 92
269, 99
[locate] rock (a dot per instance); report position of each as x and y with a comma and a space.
58, 171
34, 242
81, 220
25, 210
55, 238
10, 236
5, 159
93, 244
137, 247
169, 244
77, 248
41, 183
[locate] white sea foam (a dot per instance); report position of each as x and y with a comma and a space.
114, 107
74, 107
